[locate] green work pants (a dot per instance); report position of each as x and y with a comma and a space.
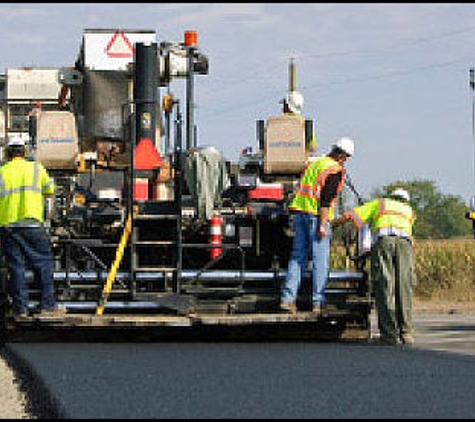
393, 278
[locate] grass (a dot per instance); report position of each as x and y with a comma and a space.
445, 269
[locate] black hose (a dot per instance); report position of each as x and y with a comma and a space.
349, 183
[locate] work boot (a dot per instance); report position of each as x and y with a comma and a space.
328, 308
317, 309
288, 307
20, 316
54, 312
386, 341
407, 339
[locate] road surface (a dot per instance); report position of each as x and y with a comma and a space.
433, 379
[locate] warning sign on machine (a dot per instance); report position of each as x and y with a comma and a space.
112, 49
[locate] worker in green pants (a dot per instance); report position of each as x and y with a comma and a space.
392, 272
392, 261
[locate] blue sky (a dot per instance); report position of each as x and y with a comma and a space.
393, 76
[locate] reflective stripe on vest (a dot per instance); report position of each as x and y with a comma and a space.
384, 210
33, 187
307, 196
382, 214
404, 217
22, 185
315, 191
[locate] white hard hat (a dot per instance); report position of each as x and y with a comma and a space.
347, 145
294, 101
16, 141
401, 193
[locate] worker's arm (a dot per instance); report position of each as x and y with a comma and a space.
322, 229
329, 192
47, 183
359, 215
340, 220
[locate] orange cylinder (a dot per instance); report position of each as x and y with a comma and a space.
216, 235
191, 38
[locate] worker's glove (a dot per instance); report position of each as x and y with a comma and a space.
322, 230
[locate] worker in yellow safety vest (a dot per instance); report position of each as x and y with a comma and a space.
24, 239
312, 209
292, 105
391, 219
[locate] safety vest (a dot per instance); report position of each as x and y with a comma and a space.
22, 186
384, 214
307, 196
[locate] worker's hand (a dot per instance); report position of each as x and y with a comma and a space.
322, 230
339, 221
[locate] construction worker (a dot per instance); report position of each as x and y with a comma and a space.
313, 208
392, 262
23, 185
292, 104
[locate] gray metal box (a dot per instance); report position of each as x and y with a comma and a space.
32, 83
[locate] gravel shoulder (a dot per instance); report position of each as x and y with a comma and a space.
13, 402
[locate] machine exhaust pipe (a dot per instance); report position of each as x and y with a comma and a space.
145, 91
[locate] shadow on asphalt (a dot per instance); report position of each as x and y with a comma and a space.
40, 404
452, 328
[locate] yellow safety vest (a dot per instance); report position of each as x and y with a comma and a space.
307, 197
22, 186
384, 213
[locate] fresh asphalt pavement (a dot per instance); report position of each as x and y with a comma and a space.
435, 378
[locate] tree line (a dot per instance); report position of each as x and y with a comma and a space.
439, 216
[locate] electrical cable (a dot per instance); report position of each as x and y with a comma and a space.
350, 184
266, 67
212, 114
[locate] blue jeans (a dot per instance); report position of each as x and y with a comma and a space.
22, 246
307, 243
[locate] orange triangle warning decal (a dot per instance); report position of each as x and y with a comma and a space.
119, 46
146, 155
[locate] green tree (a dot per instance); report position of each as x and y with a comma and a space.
439, 216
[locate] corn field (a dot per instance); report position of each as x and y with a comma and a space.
445, 269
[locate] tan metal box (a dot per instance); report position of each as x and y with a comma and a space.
57, 140
284, 144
